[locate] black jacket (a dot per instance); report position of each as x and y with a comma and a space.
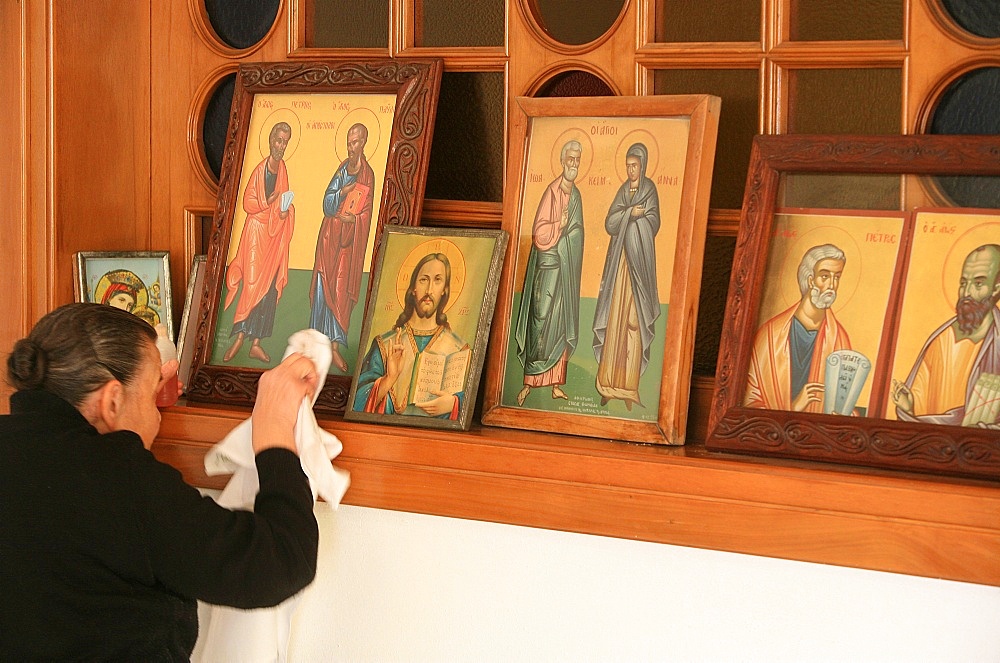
103, 549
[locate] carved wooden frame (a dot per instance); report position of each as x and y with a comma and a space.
416, 84
892, 444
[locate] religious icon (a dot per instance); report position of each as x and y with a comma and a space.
826, 293
136, 281
427, 326
948, 345
607, 217
908, 284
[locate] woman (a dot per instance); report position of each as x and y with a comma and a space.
627, 301
104, 549
123, 289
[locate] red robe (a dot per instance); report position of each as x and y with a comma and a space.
262, 256
340, 252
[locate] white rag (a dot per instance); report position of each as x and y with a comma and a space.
233, 635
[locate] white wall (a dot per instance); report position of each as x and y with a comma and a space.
403, 587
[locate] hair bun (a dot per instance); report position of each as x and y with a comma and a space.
27, 365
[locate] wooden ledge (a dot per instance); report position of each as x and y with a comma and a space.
872, 519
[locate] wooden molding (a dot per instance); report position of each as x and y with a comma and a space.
872, 519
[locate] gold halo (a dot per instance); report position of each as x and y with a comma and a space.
854, 267
652, 152
951, 267
357, 116
436, 245
126, 277
280, 115
148, 314
586, 158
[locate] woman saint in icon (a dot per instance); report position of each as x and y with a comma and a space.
122, 288
628, 303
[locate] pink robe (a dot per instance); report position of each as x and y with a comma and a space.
769, 379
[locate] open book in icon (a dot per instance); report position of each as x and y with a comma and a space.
436, 372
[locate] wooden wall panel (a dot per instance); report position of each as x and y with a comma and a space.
12, 184
187, 61
536, 57
100, 89
24, 183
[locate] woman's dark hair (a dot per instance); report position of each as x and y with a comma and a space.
77, 348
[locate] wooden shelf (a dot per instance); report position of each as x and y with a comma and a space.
872, 519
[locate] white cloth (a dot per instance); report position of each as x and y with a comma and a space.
228, 634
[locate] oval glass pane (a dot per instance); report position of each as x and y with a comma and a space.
241, 24
574, 23
980, 17
216, 123
575, 83
968, 106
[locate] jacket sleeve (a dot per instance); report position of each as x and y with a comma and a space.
242, 559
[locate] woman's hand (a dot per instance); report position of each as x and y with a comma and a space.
279, 395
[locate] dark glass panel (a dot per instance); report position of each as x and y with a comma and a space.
575, 22
460, 23
848, 20
844, 101
840, 191
738, 122
980, 17
467, 151
575, 84
348, 24
241, 24
684, 20
969, 106
717, 267
203, 234
216, 123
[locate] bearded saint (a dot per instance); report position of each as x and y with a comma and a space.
944, 375
788, 360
